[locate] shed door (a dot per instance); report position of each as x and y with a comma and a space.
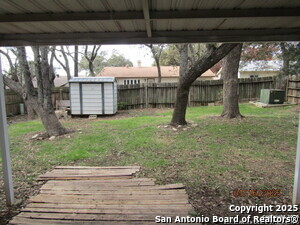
91, 99
108, 98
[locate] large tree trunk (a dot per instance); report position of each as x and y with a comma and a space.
182, 92
231, 84
196, 70
51, 123
48, 117
184, 57
91, 57
40, 101
182, 97
76, 61
285, 59
158, 70
31, 115
91, 68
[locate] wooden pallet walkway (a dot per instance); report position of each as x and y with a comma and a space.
102, 195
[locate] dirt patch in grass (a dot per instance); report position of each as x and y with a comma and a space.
295, 109
22, 190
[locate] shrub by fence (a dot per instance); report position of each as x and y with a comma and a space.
160, 95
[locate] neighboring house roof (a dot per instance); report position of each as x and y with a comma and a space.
217, 67
145, 72
59, 81
261, 65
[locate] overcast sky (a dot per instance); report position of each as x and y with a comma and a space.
131, 52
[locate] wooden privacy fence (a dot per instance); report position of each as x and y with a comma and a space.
293, 89
13, 100
159, 95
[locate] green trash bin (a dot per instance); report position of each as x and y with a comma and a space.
272, 96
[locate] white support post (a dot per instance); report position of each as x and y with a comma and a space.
4, 146
296, 195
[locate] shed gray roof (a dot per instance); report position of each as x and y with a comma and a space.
29, 22
92, 80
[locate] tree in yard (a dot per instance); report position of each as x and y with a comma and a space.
76, 52
260, 51
290, 55
183, 50
288, 52
15, 74
39, 100
193, 71
231, 83
156, 51
117, 60
84, 64
90, 57
13, 64
170, 56
65, 62
62, 55
101, 61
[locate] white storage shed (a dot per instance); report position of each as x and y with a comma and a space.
93, 95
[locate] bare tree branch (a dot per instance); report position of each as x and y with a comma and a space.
91, 56
25, 71
13, 66
13, 85
156, 53
38, 72
65, 65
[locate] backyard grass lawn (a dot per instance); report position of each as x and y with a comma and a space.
211, 159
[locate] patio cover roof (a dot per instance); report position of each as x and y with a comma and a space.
37, 22
69, 22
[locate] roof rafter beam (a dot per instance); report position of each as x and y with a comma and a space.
147, 18
154, 15
249, 35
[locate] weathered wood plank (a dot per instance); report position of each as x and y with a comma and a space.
86, 177
112, 172
89, 217
125, 186
65, 200
100, 170
177, 196
27, 221
96, 186
112, 201
97, 167
113, 192
84, 171
106, 207
110, 182
147, 211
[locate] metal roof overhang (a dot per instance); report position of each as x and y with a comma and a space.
66, 22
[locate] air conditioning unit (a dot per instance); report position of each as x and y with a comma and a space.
272, 96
